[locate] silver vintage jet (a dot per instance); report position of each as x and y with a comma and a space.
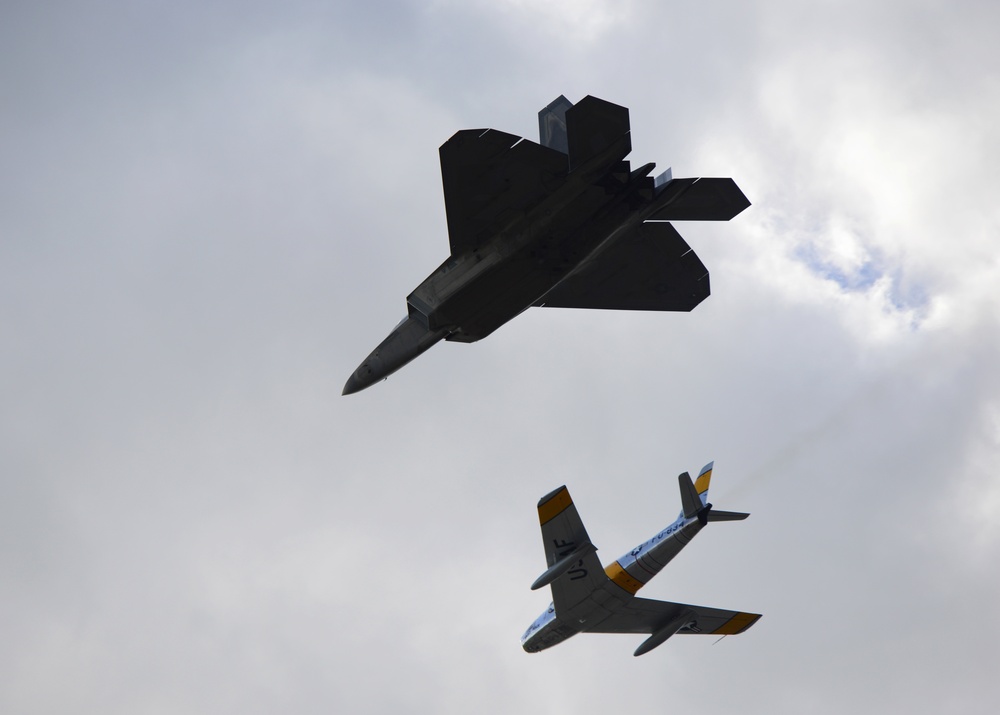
566, 223
587, 598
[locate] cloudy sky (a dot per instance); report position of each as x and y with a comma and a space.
211, 213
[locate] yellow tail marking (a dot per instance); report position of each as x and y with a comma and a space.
554, 506
737, 624
622, 578
701, 486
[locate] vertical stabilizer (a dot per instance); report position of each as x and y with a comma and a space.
694, 494
690, 503
594, 128
552, 125
702, 482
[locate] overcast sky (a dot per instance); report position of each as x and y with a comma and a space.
211, 213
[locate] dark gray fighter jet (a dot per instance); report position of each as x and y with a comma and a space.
562, 224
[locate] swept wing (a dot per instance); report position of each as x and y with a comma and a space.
569, 553
643, 615
491, 178
650, 268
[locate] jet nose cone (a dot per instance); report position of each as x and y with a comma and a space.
353, 385
365, 376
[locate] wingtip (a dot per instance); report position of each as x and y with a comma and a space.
553, 504
739, 623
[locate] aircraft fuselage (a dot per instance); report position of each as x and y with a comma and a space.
556, 223
626, 576
473, 294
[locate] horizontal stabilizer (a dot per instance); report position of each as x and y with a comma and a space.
717, 515
705, 199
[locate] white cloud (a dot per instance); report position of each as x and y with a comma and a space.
570, 22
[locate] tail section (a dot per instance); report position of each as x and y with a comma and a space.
694, 495
694, 498
590, 130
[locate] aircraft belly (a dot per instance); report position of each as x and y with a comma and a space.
650, 558
434, 297
595, 609
498, 297
553, 633
587, 615
476, 293
653, 561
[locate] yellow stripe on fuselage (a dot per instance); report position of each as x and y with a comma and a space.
623, 578
737, 624
701, 486
554, 505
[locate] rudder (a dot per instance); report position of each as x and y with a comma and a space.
702, 482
